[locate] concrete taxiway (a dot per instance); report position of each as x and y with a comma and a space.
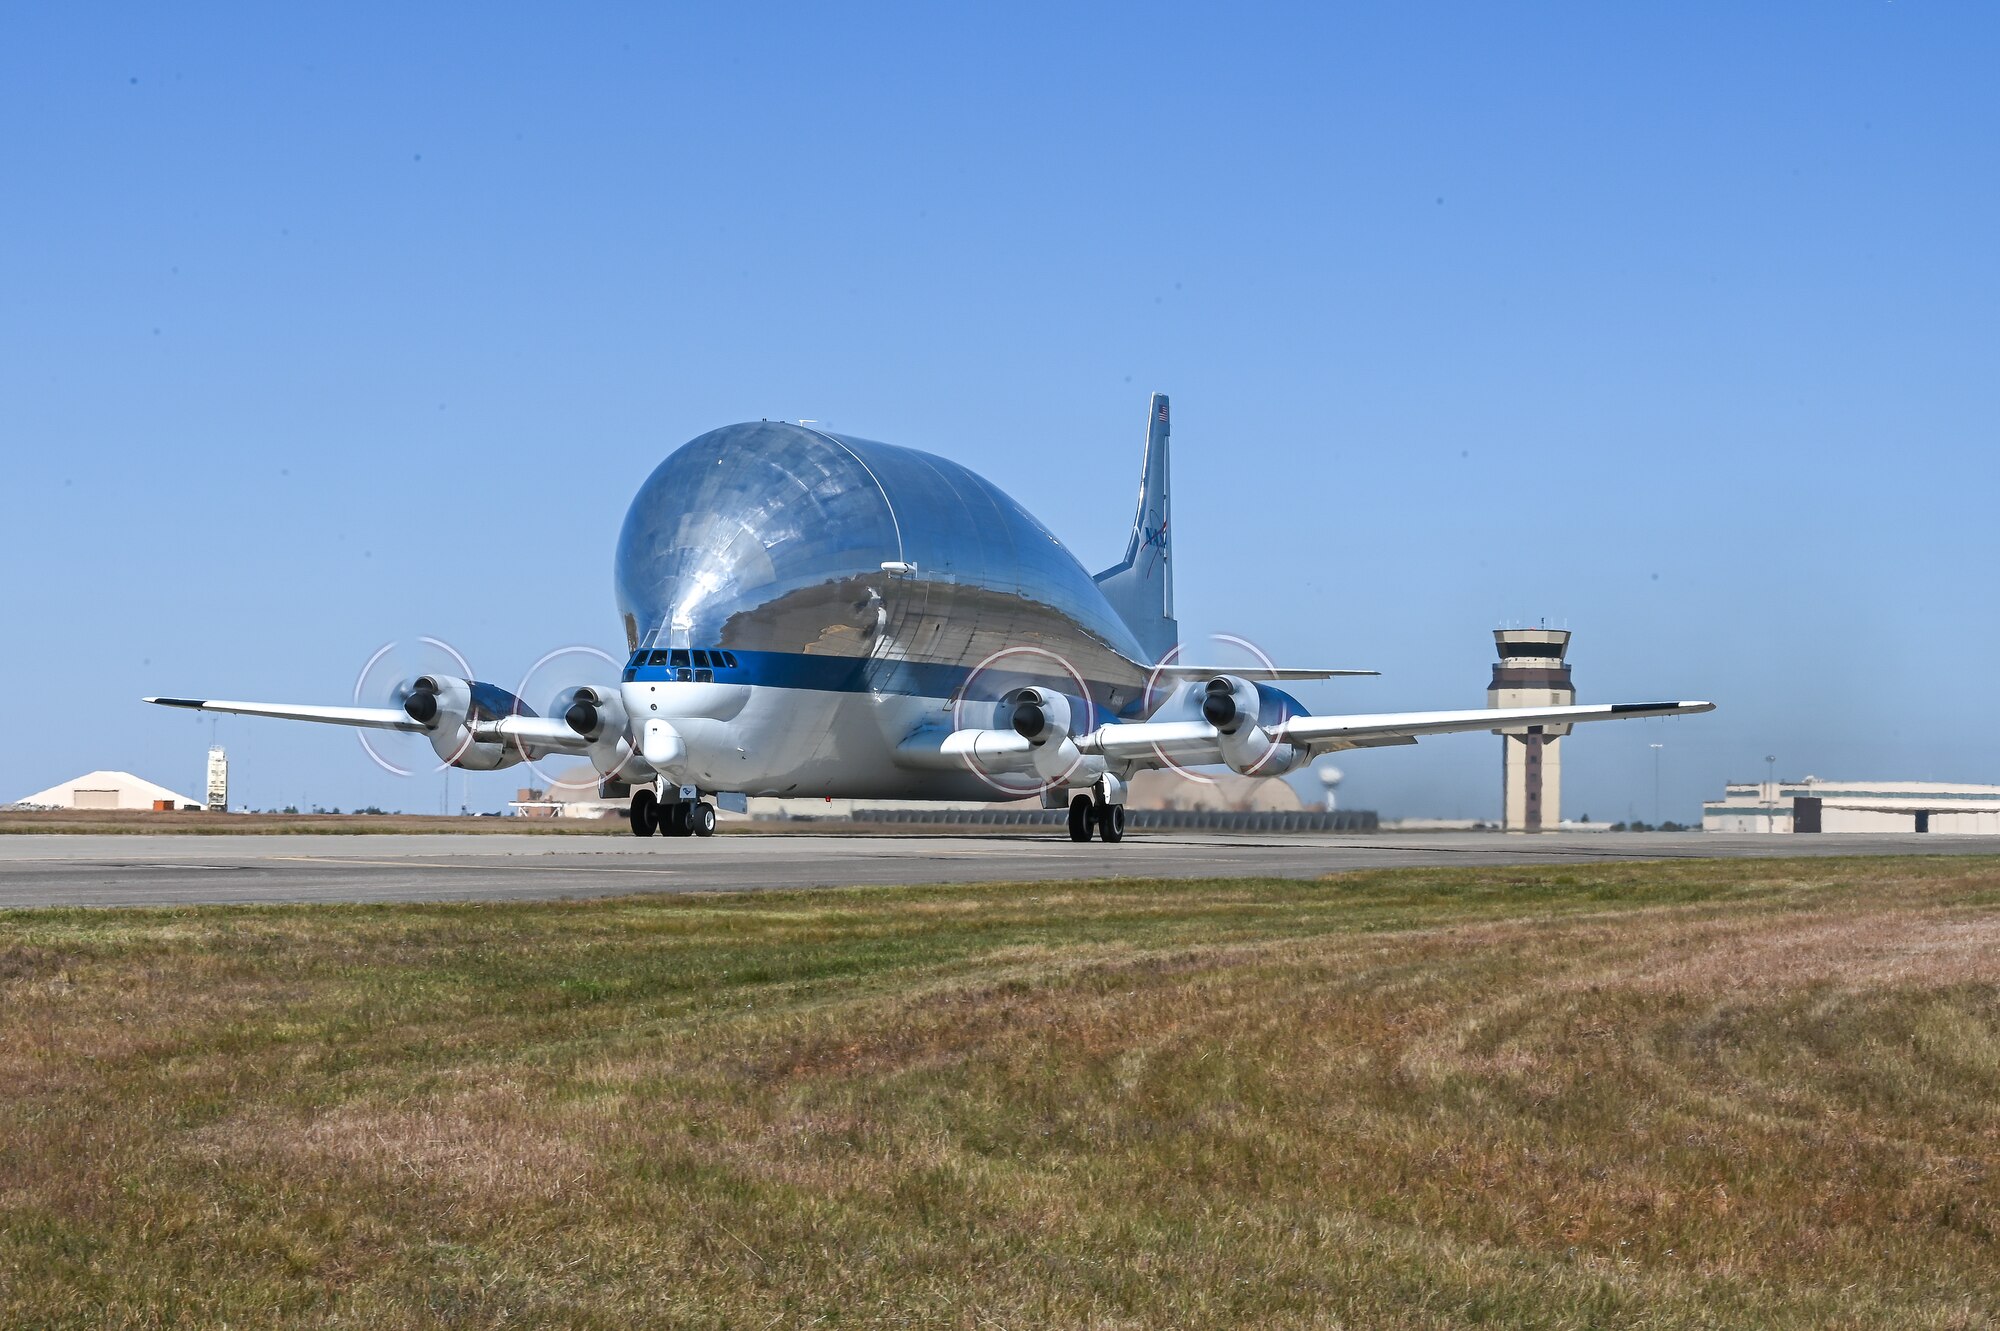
186, 870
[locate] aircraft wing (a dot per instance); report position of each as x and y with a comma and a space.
1195, 742
1328, 734
532, 735
371, 718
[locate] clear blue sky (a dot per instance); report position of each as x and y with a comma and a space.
1676, 324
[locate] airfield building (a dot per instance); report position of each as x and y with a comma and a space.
1531, 672
1813, 805
108, 790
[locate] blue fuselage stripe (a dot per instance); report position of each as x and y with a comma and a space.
860, 674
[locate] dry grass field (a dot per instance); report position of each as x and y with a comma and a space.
1710, 1094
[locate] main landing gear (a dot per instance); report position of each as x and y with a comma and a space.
649, 814
1085, 814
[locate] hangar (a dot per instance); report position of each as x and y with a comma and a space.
1813, 805
108, 790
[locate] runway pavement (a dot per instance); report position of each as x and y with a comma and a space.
183, 870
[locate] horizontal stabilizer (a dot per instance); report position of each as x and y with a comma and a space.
1181, 672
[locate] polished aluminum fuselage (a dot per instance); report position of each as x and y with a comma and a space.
867, 593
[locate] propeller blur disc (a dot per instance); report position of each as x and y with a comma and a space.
385, 680
572, 666
1001, 673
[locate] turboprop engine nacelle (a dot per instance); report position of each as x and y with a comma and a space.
452, 712
1043, 718
599, 716
1235, 707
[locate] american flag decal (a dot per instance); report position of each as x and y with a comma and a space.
1163, 413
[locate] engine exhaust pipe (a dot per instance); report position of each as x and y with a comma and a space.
422, 704
1030, 719
1219, 708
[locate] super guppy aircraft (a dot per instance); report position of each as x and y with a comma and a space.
812, 614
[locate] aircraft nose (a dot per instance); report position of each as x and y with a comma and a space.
669, 700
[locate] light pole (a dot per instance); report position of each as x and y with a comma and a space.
1771, 790
1656, 783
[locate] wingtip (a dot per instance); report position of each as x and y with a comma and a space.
196, 703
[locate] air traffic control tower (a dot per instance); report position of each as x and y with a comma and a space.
1531, 672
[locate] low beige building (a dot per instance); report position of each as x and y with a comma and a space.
109, 791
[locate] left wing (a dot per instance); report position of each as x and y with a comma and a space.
1189, 741
1242, 743
369, 718
1330, 734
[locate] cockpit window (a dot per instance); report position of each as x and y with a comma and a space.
696, 664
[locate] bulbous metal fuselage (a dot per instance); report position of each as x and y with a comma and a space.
901, 586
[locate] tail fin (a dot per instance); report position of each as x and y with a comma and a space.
1141, 588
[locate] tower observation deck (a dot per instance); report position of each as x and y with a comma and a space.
1531, 672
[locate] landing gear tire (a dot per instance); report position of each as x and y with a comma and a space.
676, 819
704, 818
1079, 818
644, 813
1111, 822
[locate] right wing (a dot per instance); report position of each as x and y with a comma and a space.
372, 718
533, 735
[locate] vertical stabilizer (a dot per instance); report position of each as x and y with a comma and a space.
1141, 587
